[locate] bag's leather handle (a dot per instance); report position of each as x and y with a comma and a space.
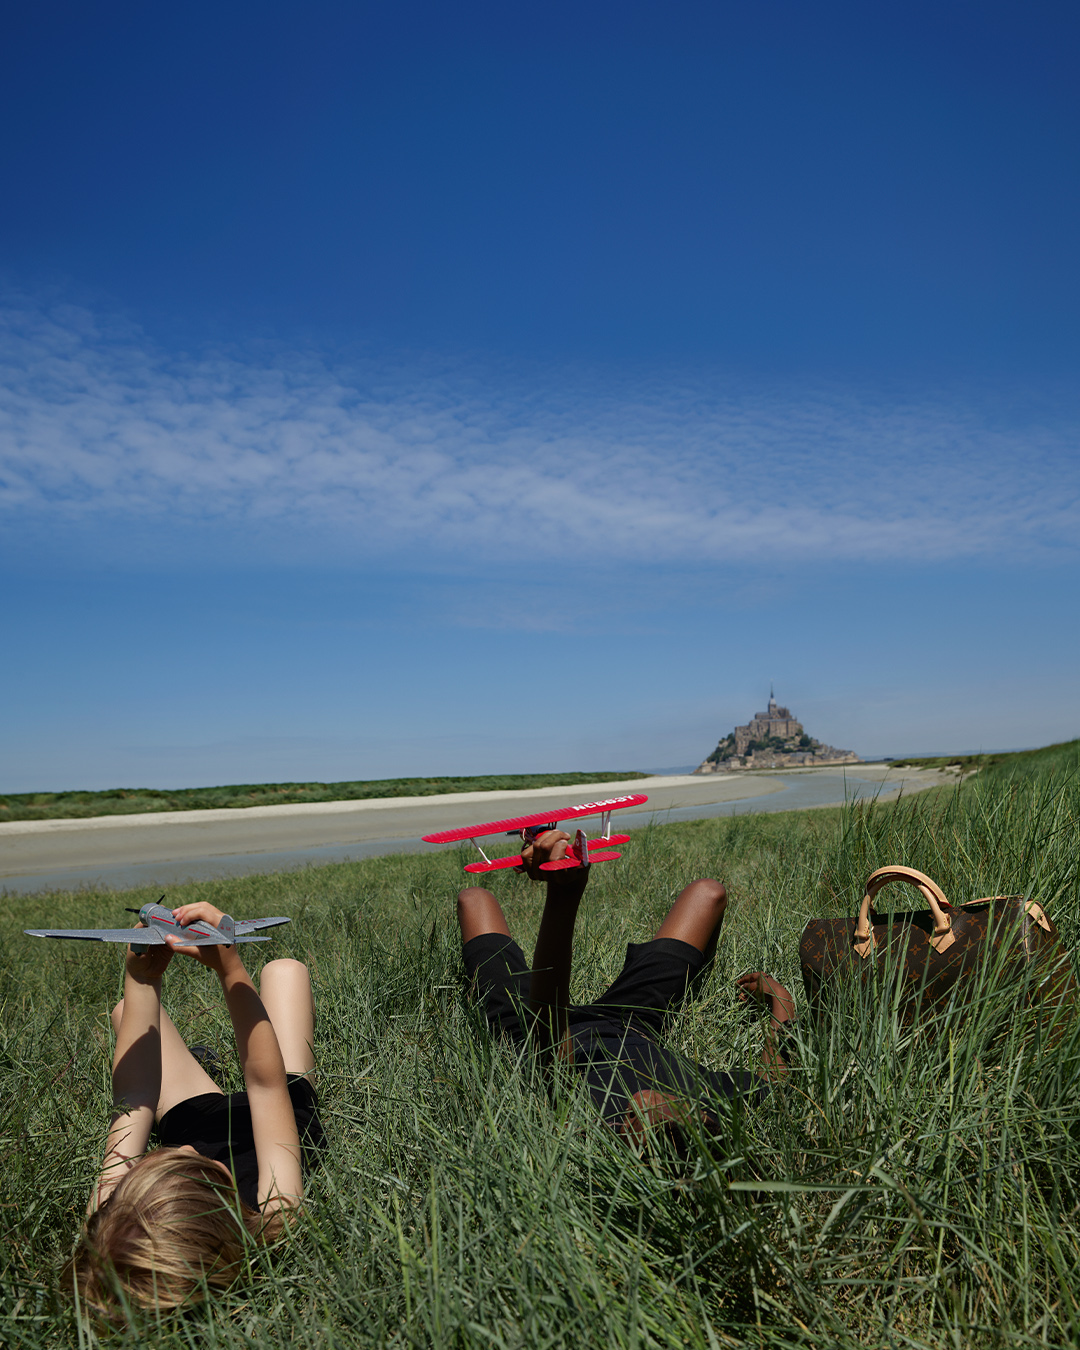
934, 896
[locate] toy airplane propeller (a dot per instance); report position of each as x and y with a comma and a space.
160, 921
580, 853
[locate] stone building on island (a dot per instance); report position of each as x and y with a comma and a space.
772, 740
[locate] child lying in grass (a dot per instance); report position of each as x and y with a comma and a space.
167, 1225
636, 1082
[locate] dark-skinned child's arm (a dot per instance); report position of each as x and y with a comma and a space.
549, 991
769, 992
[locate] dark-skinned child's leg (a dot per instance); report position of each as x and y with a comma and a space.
493, 961
478, 913
696, 916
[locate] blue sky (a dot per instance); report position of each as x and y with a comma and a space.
430, 389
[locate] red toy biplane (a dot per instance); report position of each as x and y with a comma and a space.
580, 853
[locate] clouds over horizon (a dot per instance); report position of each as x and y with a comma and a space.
369, 458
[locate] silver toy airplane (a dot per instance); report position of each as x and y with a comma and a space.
160, 921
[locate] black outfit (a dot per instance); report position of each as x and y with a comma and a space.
615, 1040
218, 1125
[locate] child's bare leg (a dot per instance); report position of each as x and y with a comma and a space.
696, 916
478, 913
285, 990
182, 1076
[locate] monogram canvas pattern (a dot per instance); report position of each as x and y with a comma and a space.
1015, 938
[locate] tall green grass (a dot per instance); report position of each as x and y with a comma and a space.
899, 1190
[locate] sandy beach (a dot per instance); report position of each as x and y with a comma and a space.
172, 845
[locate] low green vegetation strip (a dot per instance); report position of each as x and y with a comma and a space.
1018, 758
129, 801
898, 1191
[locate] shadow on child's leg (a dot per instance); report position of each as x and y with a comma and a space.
182, 1076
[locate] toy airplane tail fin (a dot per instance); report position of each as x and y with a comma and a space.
582, 849
227, 928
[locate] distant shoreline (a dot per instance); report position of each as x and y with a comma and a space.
93, 805
339, 807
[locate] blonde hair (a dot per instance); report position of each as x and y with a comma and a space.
173, 1228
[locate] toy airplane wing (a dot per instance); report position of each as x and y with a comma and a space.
201, 933
242, 926
572, 859
515, 823
584, 857
578, 855
159, 922
143, 936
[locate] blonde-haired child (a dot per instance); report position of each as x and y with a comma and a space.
165, 1226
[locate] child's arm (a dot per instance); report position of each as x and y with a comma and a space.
549, 989
136, 1074
277, 1143
768, 990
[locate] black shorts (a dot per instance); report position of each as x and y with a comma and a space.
615, 1039
218, 1125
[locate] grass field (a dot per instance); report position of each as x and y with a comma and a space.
128, 801
897, 1191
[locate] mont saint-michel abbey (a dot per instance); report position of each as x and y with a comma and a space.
772, 740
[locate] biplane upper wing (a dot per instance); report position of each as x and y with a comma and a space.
562, 864
556, 814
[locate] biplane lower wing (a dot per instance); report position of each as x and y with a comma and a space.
564, 864
495, 865
500, 864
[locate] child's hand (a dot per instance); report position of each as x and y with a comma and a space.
214, 957
201, 909
764, 988
547, 847
148, 967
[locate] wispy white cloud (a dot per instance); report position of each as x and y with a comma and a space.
98, 425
